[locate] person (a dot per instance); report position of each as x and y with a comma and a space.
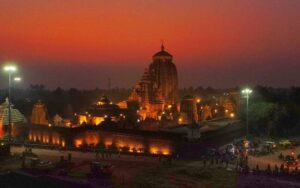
246, 169
281, 157
227, 162
282, 171
257, 170
276, 170
268, 170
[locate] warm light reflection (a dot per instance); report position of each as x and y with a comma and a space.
82, 119
121, 142
78, 143
46, 138
97, 120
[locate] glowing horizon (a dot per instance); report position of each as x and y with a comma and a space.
217, 43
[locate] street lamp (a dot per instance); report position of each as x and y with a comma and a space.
17, 79
10, 69
246, 92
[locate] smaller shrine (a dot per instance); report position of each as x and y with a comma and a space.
39, 114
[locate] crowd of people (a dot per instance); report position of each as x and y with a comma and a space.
239, 163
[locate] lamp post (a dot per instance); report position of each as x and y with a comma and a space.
247, 93
10, 69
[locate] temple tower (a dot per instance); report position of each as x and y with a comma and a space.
39, 114
164, 73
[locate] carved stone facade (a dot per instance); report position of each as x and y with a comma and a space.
158, 87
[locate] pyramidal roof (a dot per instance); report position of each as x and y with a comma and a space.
16, 115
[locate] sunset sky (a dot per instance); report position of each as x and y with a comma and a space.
218, 43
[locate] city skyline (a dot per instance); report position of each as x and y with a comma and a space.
214, 43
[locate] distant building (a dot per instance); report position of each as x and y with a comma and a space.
188, 110
58, 120
231, 103
102, 110
206, 113
17, 118
39, 114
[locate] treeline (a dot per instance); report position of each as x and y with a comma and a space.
207, 92
60, 101
274, 111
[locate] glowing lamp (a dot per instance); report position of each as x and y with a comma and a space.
17, 79
10, 68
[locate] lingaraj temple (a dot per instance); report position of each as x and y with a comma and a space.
158, 96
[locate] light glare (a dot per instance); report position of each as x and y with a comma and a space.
10, 68
17, 79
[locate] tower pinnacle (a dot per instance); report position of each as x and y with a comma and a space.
162, 46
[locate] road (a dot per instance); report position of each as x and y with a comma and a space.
77, 155
126, 166
271, 159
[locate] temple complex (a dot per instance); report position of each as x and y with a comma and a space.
155, 98
158, 88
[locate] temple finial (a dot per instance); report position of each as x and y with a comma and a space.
162, 46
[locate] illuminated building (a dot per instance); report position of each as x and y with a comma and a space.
102, 110
230, 102
158, 87
219, 106
206, 113
16, 117
39, 114
57, 120
188, 110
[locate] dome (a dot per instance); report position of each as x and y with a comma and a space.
162, 53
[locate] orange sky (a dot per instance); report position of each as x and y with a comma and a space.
214, 37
